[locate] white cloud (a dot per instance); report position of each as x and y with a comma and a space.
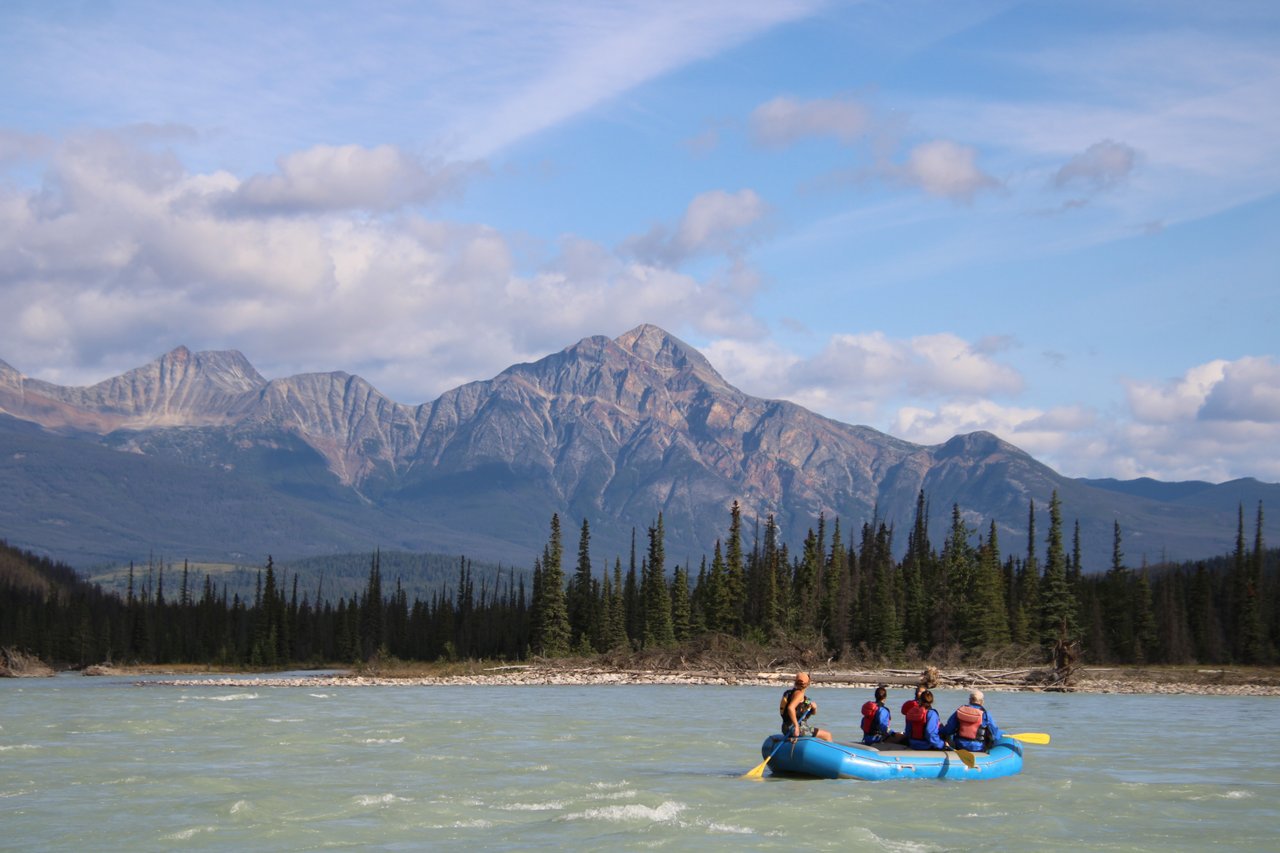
123, 255
1103, 164
714, 222
946, 169
1218, 421
1249, 391
927, 365
348, 177
1177, 400
784, 120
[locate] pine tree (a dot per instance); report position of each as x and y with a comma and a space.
617, 631
1057, 604
581, 599
917, 566
1146, 634
681, 621
1252, 636
735, 572
719, 614
1118, 606
658, 631
953, 607
989, 625
552, 614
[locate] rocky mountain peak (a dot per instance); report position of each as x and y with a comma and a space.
665, 351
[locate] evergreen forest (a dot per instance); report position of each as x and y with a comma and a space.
840, 594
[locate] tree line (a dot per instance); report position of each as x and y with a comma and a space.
841, 596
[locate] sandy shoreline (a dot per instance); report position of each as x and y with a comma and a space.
1209, 682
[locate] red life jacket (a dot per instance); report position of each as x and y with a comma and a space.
908, 705
916, 719
870, 713
969, 722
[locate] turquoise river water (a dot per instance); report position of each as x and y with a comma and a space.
106, 764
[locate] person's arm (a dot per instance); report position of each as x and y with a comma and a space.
796, 698
951, 727
931, 731
996, 734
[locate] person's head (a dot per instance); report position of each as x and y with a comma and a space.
975, 697
802, 680
926, 698
919, 690
881, 693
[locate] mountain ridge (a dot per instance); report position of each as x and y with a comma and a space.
610, 429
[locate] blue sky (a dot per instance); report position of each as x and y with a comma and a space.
1052, 220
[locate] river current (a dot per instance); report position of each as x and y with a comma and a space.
111, 764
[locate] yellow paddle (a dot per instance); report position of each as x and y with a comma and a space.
757, 772
1031, 737
1027, 737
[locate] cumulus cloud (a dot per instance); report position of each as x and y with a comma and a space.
1217, 421
715, 222
927, 365
784, 121
1248, 391
122, 253
1103, 164
1177, 400
348, 177
946, 169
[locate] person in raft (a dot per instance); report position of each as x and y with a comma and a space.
922, 724
971, 726
796, 707
912, 702
875, 721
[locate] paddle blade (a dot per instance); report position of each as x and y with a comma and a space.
756, 772
1031, 737
966, 756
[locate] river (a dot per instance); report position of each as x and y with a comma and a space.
106, 764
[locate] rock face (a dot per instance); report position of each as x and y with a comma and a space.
611, 430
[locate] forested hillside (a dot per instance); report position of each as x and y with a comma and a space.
838, 594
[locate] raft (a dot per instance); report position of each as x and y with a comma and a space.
809, 756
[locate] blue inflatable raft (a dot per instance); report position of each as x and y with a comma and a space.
809, 756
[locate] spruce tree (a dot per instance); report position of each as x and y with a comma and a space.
581, 599
658, 631
989, 625
552, 622
735, 572
1057, 604
681, 617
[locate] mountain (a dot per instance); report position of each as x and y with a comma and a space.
196, 455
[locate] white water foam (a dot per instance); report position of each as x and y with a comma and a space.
188, 834
1225, 795
383, 740
612, 795
234, 697
20, 746
531, 807
241, 806
379, 799
668, 812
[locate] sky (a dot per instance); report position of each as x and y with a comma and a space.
1055, 221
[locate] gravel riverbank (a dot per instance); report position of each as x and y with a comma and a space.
1203, 682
